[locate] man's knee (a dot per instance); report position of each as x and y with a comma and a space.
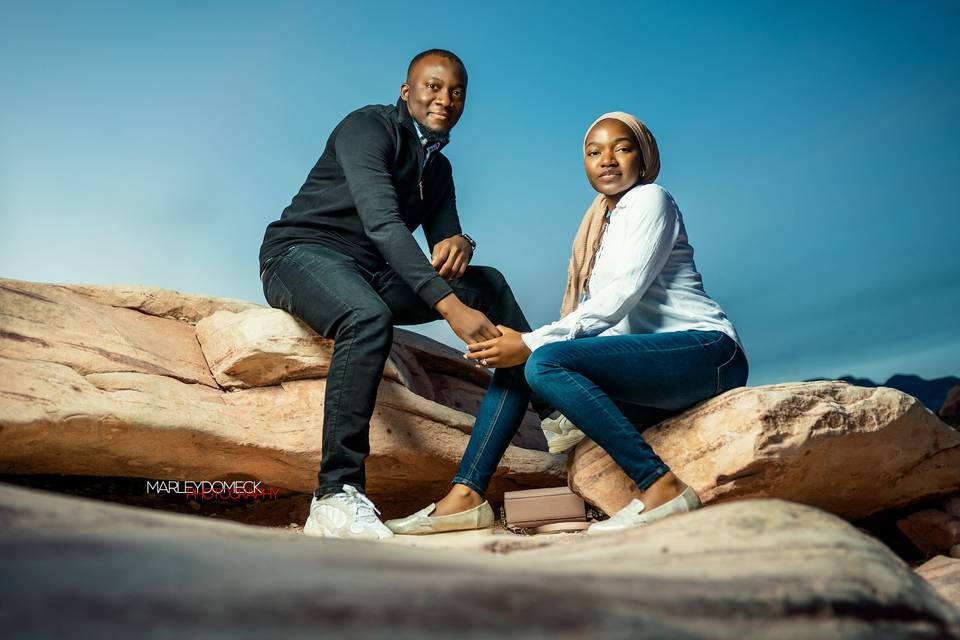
483, 288
370, 322
489, 277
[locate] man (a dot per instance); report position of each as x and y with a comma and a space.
343, 259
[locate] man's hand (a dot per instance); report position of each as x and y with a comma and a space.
451, 257
469, 324
508, 350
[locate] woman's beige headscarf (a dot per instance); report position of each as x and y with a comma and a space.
587, 241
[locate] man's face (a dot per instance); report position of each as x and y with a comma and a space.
435, 93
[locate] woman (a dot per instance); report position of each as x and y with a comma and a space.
637, 332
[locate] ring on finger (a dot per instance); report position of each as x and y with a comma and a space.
483, 362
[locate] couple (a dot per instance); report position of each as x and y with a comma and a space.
637, 336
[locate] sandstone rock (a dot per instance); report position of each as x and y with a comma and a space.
950, 411
261, 347
944, 574
141, 425
932, 531
952, 506
153, 301
50, 323
753, 569
90, 388
850, 450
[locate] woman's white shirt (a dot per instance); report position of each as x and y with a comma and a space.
644, 279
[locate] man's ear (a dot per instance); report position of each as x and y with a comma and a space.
404, 91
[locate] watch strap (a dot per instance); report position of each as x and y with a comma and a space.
471, 241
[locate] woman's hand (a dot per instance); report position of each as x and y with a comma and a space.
508, 350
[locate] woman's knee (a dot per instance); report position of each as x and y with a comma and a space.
541, 363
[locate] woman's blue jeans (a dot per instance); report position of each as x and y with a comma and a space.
600, 384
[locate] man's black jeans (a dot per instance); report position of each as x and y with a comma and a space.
343, 301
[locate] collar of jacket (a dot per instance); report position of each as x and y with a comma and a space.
406, 121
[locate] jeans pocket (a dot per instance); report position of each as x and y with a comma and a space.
276, 292
730, 373
707, 339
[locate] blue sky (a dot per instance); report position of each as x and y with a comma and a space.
812, 148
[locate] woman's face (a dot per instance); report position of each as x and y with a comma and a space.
612, 158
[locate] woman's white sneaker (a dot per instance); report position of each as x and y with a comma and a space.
347, 514
561, 434
634, 514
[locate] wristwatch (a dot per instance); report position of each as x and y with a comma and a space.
473, 243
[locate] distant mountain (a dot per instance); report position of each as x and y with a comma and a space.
931, 393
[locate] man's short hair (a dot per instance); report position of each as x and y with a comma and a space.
443, 53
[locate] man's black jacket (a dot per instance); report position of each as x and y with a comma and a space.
366, 195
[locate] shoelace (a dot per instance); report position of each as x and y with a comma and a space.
551, 427
365, 508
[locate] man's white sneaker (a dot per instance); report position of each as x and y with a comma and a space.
634, 514
562, 435
348, 514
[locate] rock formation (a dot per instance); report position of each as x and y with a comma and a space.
750, 569
950, 411
931, 393
934, 531
944, 575
852, 451
140, 382
144, 382
136, 382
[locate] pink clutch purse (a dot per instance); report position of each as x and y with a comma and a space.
535, 508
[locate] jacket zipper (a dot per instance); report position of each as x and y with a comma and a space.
419, 164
